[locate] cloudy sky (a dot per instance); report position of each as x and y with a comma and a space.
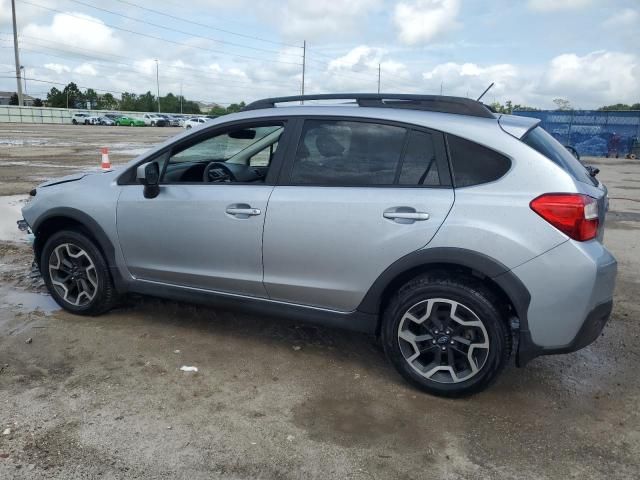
225, 51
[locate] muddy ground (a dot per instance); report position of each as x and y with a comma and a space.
104, 397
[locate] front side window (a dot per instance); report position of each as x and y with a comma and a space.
347, 153
241, 154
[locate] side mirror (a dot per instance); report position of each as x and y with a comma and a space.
148, 174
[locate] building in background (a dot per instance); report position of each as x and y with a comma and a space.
5, 99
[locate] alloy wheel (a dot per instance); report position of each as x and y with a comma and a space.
443, 340
73, 274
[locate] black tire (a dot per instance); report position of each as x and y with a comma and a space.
74, 121
468, 292
153, 124
105, 294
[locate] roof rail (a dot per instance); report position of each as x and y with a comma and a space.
431, 103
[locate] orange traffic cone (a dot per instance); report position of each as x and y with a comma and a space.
106, 164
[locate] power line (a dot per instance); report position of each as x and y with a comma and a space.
196, 72
155, 37
179, 31
182, 19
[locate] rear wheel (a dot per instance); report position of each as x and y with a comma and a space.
76, 274
446, 335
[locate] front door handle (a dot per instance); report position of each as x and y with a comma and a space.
242, 210
405, 215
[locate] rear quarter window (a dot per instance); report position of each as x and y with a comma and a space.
474, 164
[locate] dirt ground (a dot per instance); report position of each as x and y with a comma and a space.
104, 397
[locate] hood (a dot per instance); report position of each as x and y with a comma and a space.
79, 176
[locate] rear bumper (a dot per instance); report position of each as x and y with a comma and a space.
588, 333
571, 288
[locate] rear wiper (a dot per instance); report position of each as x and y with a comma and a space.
593, 171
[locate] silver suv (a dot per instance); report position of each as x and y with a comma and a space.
443, 228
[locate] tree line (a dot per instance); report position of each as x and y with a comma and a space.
72, 97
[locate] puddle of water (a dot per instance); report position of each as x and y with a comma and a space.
10, 142
22, 163
28, 301
10, 213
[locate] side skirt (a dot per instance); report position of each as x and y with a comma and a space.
355, 321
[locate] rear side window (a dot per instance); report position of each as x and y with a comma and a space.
474, 164
419, 166
539, 139
347, 153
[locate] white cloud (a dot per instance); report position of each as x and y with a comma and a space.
82, 30
324, 19
556, 5
57, 67
420, 21
624, 18
464, 79
86, 69
357, 59
587, 81
594, 79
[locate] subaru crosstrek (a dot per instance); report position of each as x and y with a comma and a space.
443, 228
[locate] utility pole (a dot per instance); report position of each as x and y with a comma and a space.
304, 62
441, 83
15, 50
24, 77
180, 97
158, 84
378, 78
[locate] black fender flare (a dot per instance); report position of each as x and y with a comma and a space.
94, 229
499, 273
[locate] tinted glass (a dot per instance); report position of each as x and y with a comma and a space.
347, 153
474, 164
419, 166
539, 139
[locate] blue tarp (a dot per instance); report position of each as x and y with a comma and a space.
591, 132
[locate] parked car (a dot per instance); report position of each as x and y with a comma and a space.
194, 122
80, 118
172, 120
104, 120
154, 120
428, 221
130, 121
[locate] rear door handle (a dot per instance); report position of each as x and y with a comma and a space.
405, 215
242, 210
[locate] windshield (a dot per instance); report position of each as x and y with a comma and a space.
539, 139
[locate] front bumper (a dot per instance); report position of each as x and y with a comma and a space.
588, 333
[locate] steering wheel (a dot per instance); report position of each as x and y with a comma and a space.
217, 172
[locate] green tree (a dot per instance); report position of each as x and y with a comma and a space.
107, 102
14, 99
37, 102
90, 96
128, 102
217, 111
235, 107
56, 98
562, 104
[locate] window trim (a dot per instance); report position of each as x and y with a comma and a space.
205, 133
439, 145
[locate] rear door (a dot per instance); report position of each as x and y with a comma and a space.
354, 197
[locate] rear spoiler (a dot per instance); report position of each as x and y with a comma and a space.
517, 126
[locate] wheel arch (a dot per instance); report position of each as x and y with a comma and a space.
504, 283
58, 219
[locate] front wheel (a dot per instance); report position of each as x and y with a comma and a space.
446, 335
76, 274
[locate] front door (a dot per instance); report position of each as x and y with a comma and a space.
204, 229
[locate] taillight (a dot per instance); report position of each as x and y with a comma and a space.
572, 213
